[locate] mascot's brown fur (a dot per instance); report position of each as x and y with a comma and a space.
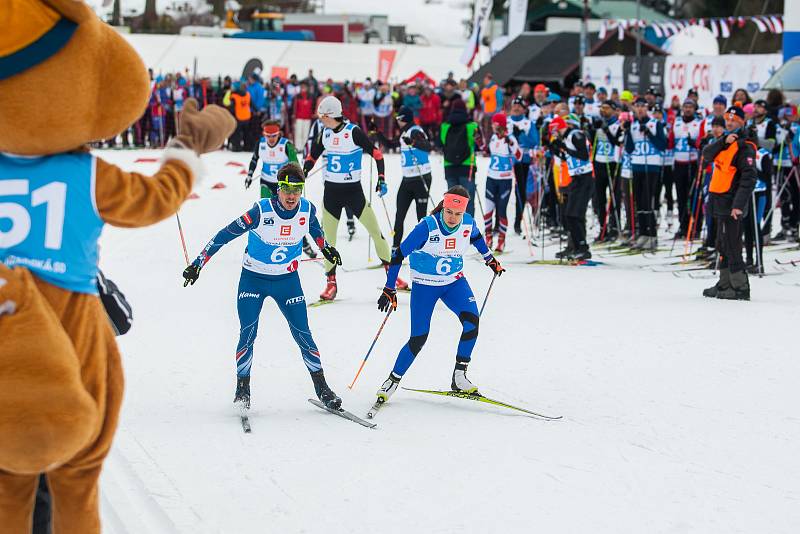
60, 373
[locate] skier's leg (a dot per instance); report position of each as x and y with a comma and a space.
502, 198
461, 301
488, 216
366, 216
332, 210
251, 295
288, 294
404, 198
423, 300
421, 195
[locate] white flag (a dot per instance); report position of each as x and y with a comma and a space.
517, 14
482, 11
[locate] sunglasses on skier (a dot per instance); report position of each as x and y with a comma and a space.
292, 188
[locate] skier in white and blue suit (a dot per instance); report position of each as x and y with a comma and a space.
436, 249
275, 227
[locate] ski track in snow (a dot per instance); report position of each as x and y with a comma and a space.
668, 428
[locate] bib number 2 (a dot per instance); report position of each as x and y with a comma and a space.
53, 195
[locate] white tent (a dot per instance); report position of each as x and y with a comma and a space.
218, 56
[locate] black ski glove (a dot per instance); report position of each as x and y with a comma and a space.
248, 181
331, 254
388, 299
191, 274
495, 266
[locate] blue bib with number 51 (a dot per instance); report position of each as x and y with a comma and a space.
49, 221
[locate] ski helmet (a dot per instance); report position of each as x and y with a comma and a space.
405, 114
330, 106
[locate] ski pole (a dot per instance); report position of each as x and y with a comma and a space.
778, 197
487, 294
183, 241
386, 211
364, 361
422, 178
369, 236
757, 237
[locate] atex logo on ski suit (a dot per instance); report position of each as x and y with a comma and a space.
246, 295
295, 300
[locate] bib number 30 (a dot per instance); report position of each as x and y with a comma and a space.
53, 195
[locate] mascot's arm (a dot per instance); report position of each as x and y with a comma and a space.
130, 199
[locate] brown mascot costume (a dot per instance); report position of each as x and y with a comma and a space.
66, 79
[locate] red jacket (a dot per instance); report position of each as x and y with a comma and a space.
303, 106
431, 111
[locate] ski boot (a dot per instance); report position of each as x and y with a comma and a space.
564, 254
739, 288
388, 388
242, 397
399, 283
307, 249
783, 235
670, 219
329, 293
488, 237
582, 254
501, 243
723, 284
351, 229
652, 244
325, 394
460, 382
517, 228
641, 242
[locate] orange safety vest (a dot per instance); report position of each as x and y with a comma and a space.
724, 171
489, 98
241, 106
561, 172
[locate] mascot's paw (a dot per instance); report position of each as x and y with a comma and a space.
204, 131
46, 415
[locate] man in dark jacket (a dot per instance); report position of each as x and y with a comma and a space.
731, 187
459, 135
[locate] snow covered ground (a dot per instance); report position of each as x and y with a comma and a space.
679, 411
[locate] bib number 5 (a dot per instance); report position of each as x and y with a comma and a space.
53, 195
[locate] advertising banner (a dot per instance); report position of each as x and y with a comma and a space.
385, 63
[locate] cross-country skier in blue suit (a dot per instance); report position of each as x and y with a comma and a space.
436, 249
275, 228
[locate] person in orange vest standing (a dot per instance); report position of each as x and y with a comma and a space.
240, 99
731, 189
491, 103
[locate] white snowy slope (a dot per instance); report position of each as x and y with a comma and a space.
680, 413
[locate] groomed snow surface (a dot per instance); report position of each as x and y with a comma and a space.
680, 413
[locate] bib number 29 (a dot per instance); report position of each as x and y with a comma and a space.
53, 195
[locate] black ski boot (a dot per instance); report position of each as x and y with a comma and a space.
582, 254
739, 288
723, 284
242, 397
351, 229
564, 254
324, 393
